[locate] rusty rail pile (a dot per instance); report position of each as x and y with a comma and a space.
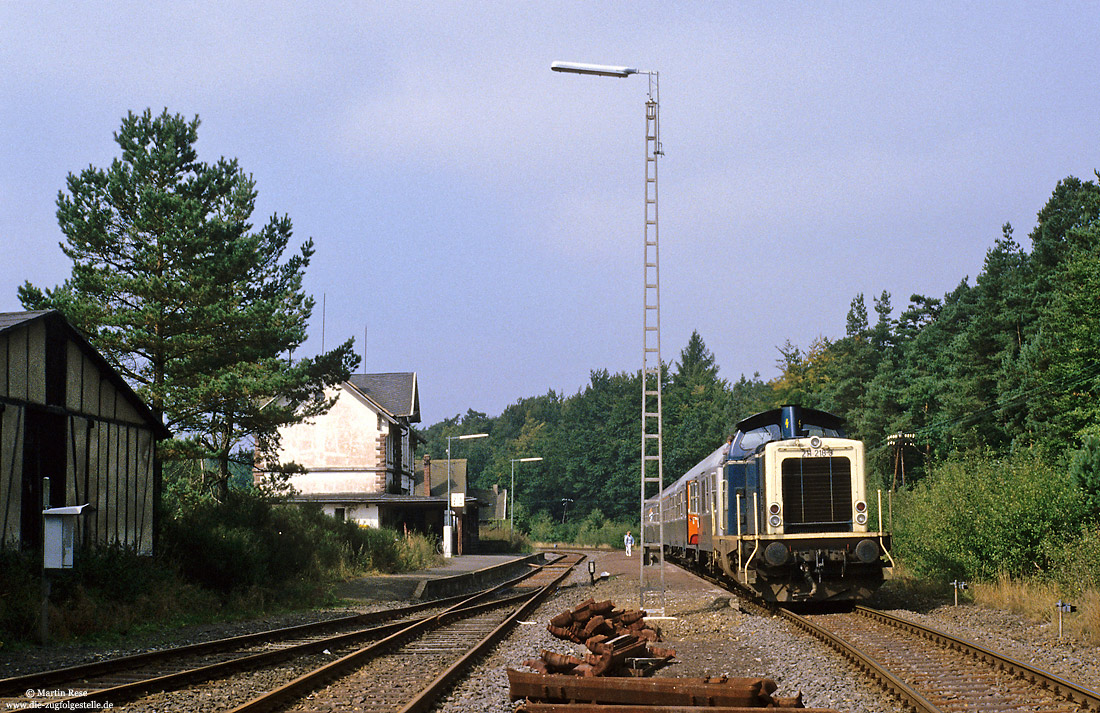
611, 677
549, 693
618, 642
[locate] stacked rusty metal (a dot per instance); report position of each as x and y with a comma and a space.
610, 677
619, 642
564, 694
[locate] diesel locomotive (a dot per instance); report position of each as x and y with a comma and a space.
781, 510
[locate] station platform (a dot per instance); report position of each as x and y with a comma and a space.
456, 575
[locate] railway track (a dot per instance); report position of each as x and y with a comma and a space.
290, 649
928, 670
931, 671
407, 671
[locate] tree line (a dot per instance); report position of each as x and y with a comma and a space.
590, 442
1010, 363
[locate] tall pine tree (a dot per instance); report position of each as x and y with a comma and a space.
195, 308
697, 405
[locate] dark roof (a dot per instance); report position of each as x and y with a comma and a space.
11, 320
775, 416
397, 393
14, 319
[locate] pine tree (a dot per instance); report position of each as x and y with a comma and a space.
696, 409
196, 309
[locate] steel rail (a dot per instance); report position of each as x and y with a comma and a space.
44, 679
423, 700
864, 662
868, 664
1084, 697
1072, 692
173, 681
319, 677
126, 692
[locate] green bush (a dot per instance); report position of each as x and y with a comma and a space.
502, 539
251, 541
108, 592
19, 595
542, 528
595, 530
1076, 566
978, 517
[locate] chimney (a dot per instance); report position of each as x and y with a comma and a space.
428, 474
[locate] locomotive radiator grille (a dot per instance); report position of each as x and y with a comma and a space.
817, 494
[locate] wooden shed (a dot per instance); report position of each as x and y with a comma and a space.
66, 414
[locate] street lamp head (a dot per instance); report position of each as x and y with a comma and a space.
601, 70
527, 460
471, 435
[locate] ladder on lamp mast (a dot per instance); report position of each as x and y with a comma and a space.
652, 584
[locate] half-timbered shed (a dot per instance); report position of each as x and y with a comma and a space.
67, 415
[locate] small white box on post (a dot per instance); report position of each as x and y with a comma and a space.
59, 541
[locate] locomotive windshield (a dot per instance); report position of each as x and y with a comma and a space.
766, 427
757, 437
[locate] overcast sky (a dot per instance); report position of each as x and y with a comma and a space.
482, 217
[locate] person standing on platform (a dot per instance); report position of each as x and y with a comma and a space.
628, 541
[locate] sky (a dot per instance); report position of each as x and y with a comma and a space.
478, 219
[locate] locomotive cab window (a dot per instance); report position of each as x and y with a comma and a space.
757, 437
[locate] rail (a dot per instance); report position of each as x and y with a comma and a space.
234, 648
316, 679
1084, 697
864, 662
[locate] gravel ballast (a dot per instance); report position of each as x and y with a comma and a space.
711, 638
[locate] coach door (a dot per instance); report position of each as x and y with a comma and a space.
693, 512
712, 502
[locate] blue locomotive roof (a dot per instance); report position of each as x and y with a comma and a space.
767, 426
761, 428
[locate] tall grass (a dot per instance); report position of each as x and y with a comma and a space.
1035, 600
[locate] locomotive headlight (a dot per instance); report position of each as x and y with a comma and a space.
861, 518
861, 506
815, 442
775, 521
775, 508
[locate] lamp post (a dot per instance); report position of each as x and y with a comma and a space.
512, 491
652, 456
449, 514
